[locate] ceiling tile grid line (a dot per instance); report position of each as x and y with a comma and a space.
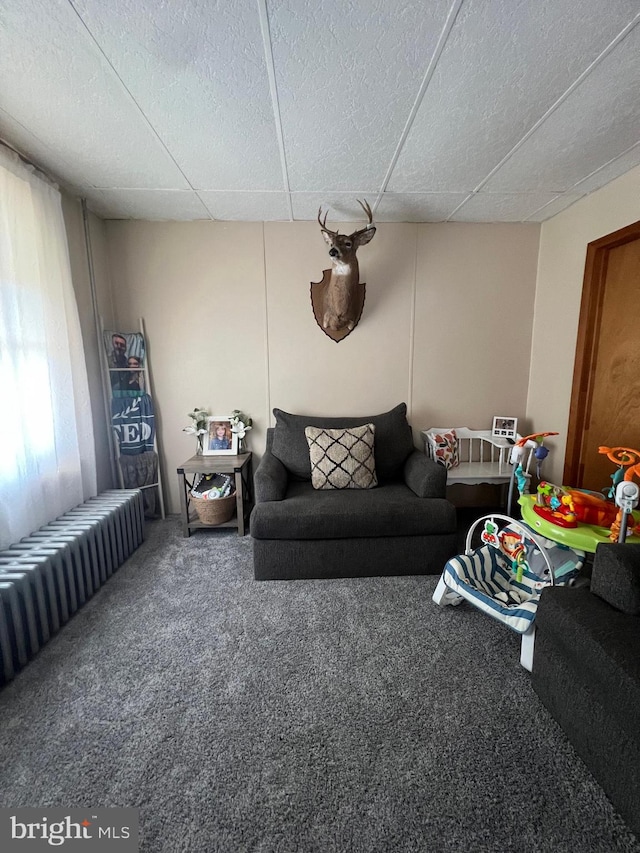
127, 91
205, 205
559, 101
15, 146
632, 148
574, 192
577, 82
442, 40
436, 110
273, 90
461, 205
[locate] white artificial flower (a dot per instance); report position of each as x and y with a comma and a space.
240, 429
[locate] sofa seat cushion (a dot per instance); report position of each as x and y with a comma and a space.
393, 442
600, 644
394, 510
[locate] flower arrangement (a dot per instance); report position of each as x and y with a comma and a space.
240, 426
198, 425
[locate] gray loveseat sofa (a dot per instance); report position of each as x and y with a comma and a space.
403, 526
586, 670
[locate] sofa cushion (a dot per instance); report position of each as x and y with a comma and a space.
342, 458
393, 442
351, 514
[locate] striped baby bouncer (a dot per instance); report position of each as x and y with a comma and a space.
506, 574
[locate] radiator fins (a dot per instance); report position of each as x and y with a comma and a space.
47, 576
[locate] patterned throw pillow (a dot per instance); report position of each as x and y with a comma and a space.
444, 447
342, 458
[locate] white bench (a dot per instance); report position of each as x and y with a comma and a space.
484, 458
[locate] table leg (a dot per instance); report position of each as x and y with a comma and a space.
239, 500
184, 509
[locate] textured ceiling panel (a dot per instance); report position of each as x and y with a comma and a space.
471, 110
504, 65
560, 203
247, 207
418, 207
610, 171
575, 139
198, 72
40, 152
147, 204
341, 207
501, 207
55, 82
347, 76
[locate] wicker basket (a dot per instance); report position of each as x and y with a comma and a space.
215, 511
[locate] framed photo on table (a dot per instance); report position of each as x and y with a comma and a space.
219, 440
505, 427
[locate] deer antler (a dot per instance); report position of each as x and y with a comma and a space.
367, 210
365, 206
323, 223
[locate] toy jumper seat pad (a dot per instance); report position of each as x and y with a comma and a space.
485, 576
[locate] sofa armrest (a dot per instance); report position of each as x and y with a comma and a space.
615, 576
424, 476
270, 479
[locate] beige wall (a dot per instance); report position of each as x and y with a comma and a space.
74, 223
446, 325
563, 247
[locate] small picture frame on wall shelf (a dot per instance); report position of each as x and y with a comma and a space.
505, 427
220, 440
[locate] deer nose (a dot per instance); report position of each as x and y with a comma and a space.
333, 253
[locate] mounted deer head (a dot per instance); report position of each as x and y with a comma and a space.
339, 299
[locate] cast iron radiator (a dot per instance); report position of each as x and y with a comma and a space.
47, 576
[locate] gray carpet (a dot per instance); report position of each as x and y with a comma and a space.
342, 716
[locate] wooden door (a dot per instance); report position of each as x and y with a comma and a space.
605, 402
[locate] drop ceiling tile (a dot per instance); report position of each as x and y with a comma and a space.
54, 80
40, 153
498, 74
347, 77
418, 207
609, 172
602, 115
246, 206
562, 202
339, 207
198, 72
147, 204
501, 207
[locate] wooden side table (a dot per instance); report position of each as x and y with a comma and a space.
239, 466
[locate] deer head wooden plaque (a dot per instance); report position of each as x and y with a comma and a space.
338, 299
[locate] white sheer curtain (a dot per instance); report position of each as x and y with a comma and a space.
47, 456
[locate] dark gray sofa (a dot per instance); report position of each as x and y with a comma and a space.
404, 526
586, 670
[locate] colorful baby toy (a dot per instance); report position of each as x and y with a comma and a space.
582, 519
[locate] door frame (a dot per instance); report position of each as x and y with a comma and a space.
593, 291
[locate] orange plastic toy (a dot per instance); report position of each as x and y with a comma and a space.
629, 459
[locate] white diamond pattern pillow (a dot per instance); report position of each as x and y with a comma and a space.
342, 458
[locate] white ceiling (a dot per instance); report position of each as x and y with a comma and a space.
433, 110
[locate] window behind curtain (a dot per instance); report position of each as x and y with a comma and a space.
47, 459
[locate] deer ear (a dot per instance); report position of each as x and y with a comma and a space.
366, 236
327, 238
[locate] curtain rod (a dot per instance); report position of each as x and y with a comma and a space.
41, 172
